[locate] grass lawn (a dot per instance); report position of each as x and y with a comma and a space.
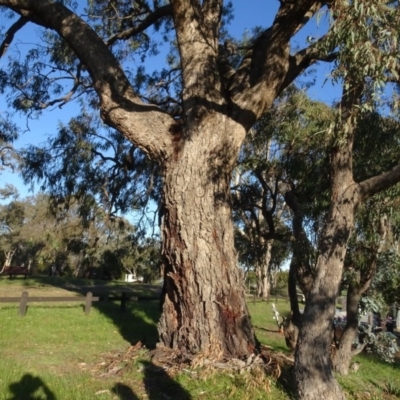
56, 352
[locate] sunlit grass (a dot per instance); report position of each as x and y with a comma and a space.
56, 352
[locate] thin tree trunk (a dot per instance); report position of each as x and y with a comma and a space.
204, 308
343, 354
299, 271
8, 258
292, 323
361, 282
313, 364
264, 284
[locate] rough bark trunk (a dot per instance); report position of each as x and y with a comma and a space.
204, 308
313, 365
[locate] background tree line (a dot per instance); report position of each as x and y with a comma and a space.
35, 234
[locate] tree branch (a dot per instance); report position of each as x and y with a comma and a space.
145, 125
377, 183
156, 15
265, 66
304, 59
9, 36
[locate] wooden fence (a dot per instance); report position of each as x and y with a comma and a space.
24, 299
125, 297
88, 299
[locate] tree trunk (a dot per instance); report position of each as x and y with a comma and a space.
292, 323
263, 272
313, 366
204, 308
8, 258
359, 285
343, 354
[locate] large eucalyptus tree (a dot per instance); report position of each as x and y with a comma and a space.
196, 137
204, 307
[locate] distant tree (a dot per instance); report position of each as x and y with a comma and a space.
36, 230
11, 223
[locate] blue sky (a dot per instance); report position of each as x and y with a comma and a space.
248, 14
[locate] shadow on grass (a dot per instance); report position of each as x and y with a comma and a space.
30, 388
157, 384
136, 323
286, 382
124, 392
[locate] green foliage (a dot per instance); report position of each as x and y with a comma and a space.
386, 283
301, 134
146, 259
282, 279
110, 265
96, 244
370, 304
365, 33
85, 167
383, 345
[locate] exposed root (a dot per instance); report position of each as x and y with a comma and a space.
257, 370
116, 362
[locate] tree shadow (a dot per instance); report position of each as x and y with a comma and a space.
124, 392
138, 320
30, 388
286, 382
159, 385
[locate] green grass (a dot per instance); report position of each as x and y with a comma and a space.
375, 379
56, 352
265, 326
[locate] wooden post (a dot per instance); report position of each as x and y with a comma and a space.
23, 304
124, 299
88, 304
